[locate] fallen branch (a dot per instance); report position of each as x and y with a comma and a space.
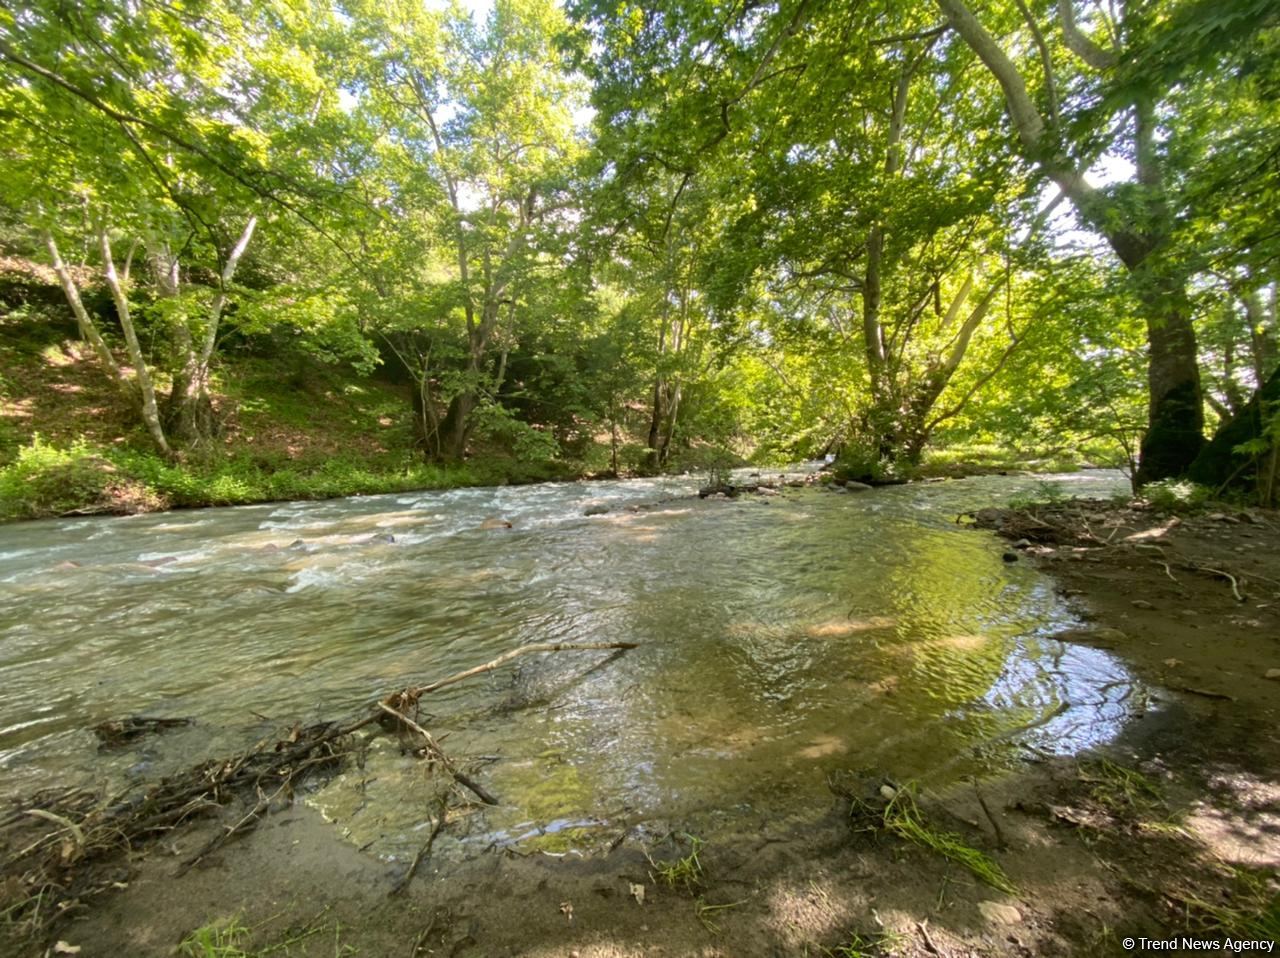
1228, 576
438, 754
413, 694
441, 814
98, 831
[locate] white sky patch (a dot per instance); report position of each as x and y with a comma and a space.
1064, 224
479, 9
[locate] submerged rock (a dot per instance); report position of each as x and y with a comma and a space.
493, 522
596, 510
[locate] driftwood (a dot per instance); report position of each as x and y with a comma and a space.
61, 848
122, 731
411, 695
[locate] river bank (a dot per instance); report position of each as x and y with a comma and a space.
1167, 826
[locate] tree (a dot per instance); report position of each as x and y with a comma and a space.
166, 131
475, 126
1122, 79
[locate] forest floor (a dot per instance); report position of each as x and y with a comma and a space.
1174, 829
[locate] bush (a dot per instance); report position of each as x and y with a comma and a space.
47, 481
1176, 495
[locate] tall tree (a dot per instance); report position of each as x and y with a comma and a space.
480, 118
1116, 81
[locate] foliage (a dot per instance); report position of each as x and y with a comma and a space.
900, 815
46, 480
1174, 495
781, 230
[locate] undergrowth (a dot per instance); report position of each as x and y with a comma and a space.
51, 480
231, 939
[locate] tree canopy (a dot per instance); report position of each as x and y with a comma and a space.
665, 232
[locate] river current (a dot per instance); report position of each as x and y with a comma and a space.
780, 639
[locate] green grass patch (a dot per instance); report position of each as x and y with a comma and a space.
1121, 789
901, 816
1248, 908
873, 945
681, 873
78, 478
231, 939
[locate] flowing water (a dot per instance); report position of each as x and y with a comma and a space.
780, 639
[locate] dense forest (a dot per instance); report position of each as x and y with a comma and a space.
285, 248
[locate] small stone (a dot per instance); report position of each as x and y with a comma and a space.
1010, 557
1141, 604
888, 792
495, 523
999, 913
1022, 544
1110, 635
1273, 673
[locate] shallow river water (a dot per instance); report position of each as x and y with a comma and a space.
780, 640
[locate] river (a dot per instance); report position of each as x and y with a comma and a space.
780, 639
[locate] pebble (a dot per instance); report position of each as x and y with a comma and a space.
999, 913
1141, 604
1273, 673
1010, 557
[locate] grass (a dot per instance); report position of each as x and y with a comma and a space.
79, 478
231, 939
1248, 908
901, 816
681, 873
874, 945
218, 940
1121, 789
707, 913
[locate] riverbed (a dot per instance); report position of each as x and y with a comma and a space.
781, 639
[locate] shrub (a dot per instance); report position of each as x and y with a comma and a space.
1176, 495
45, 480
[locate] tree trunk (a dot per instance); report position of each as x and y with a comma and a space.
1218, 465
150, 413
192, 418
88, 328
455, 429
1175, 413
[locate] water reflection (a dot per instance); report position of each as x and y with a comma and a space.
779, 639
